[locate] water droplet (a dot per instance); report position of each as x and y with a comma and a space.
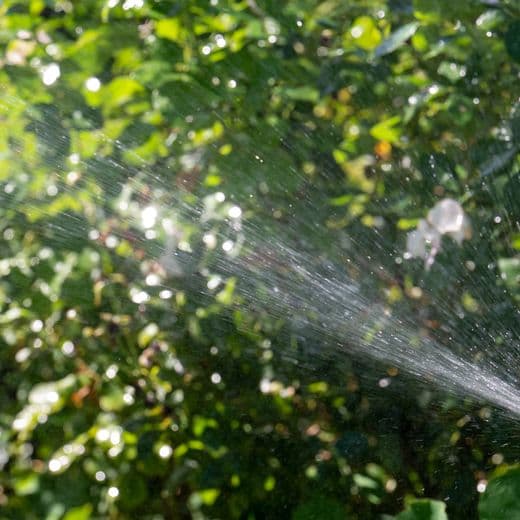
37, 325
220, 41
54, 465
50, 73
481, 486
68, 348
227, 246
111, 371
166, 294
235, 212
113, 492
152, 279
165, 451
148, 217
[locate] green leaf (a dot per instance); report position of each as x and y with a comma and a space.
451, 70
226, 296
512, 40
501, 501
133, 490
343, 200
306, 93
490, 19
171, 29
387, 130
396, 39
27, 485
52, 393
320, 387
201, 423
510, 274
365, 482
147, 334
320, 508
424, 509
120, 91
79, 513
365, 33
269, 483
208, 496
113, 399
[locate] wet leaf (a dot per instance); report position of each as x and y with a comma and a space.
424, 509
510, 274
396, 39
500, 500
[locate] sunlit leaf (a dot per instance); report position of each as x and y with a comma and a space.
79, 513
171, 29
387, 130
365, 33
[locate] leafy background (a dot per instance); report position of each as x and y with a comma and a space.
143, 375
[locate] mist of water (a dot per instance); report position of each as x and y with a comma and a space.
354, 324
289, 282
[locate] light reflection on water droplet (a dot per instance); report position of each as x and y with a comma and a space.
214, 282
111, 241
54, 465
210, 240
37, 325
93, 84
113, 492
220, 41
139, 296
22, 355
165, 451
115, 436
165, 294
235, 212
152, 279
111, 371
227, 246
74, 158
148, 217
102, 435
68, 348
50, 73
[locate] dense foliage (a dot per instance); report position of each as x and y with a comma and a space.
142, 372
